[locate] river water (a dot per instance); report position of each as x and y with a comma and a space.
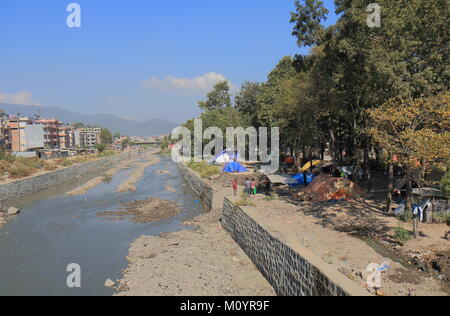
53, 231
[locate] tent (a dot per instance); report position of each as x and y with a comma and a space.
234, 167
225, 157
300, 179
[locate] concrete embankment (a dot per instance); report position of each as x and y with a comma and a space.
291, 270
200, 187
12, 191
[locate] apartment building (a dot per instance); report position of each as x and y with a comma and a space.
51, 132
87, 137
66, 136
24, 135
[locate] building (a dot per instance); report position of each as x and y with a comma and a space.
24, 135
51, 132
87, 137
66, 136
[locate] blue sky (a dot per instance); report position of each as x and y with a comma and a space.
138, 59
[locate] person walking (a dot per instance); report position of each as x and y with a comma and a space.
235, 187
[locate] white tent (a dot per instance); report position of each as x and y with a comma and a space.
225, 157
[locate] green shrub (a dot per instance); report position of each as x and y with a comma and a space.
441, 217
402, 236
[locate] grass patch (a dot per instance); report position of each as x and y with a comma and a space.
245, 201
402, 236
441, 217
204, 169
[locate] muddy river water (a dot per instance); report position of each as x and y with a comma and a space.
53, 231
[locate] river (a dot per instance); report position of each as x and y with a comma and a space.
53, 231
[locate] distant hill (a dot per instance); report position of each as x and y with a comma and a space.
152, 127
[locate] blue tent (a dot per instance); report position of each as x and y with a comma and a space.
233, 167
301, 179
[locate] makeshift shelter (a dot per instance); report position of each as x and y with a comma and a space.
225, 157
310, 165
326, 188
234, 167
300, 178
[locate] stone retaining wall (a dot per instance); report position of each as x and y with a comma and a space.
200, 187
291, 272
21, 188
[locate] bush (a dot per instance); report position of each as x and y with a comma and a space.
402, 236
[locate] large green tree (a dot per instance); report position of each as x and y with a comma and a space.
219, 97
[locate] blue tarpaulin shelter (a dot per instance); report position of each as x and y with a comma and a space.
234, 167
301, 179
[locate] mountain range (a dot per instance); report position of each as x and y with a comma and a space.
152, 127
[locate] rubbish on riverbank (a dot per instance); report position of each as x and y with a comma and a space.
326, 188
12, 211
110, 283
146, 211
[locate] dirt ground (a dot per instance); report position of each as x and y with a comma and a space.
146, 211
334, 231
204, 261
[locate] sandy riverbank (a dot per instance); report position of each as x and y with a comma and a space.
130, 184
145, 211
204, 261
100, 179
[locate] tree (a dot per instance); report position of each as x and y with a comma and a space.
78, 125
117, 135
100, 147
126, 143
445, 185
413, 131
308, 20
219, 97
2, 113
247, 100
106, 136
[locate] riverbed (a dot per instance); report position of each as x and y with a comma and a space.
53, 231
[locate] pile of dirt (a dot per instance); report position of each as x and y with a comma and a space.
327, 188
146, 211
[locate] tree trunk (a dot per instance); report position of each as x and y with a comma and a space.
409, 201
391, 188
367, 167
333, 142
